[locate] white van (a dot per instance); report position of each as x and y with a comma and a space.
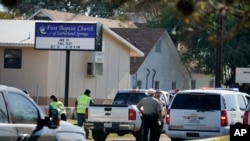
196, 114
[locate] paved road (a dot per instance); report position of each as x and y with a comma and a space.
164, 137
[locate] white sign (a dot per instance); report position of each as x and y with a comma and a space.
242, 75
65, 36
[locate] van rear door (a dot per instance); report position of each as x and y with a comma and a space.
196, 112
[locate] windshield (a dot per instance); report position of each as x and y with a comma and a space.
196, 101
128, 98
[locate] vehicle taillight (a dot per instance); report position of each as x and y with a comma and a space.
168, 116
131, 114
223, 118
245, 118
86, 113
133, 90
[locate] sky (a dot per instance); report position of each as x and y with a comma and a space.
2, 8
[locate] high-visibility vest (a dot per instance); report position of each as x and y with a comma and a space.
82, 103
58, 105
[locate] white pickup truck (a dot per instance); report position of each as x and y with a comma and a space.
121, 117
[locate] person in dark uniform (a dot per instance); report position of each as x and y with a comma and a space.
157, 95
151, 114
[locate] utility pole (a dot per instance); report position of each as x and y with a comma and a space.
66, 96
218, 70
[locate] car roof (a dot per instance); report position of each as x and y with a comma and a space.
132, 90
5, 87
214, 91
138, 90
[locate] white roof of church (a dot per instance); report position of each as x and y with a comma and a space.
17, 33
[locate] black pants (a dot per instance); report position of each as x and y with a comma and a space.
150, 124
158, 134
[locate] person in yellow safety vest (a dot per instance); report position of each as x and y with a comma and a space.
56, 104
81, 104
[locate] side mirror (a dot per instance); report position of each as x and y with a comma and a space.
54, 119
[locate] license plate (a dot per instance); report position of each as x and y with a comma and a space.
107, 125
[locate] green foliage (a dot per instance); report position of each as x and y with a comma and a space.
95, 8
169, 18
197, 30
186, 7
198, 33
9, 3
5, 15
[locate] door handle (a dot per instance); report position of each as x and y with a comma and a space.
23, 137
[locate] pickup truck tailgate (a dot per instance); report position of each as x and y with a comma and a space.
108, 113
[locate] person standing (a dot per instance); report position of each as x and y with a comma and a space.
151, 114
81, 104
157, 95
56, 104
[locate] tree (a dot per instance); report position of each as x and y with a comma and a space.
4, 15
193, 21
95, 8
196, 34
201, 14
9, 3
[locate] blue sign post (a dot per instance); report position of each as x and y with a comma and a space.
70, 37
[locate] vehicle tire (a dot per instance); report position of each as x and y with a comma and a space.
99, 135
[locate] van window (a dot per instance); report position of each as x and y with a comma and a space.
163, 99
230, 103
22, 109
242, 102
196, 101
3, 110
128, 98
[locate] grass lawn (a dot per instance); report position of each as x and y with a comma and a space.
112, 135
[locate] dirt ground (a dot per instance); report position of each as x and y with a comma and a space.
164, 137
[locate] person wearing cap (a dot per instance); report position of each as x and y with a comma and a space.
81, 104
151, 114
157, 95
56, 104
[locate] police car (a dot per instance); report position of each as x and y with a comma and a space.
203, 113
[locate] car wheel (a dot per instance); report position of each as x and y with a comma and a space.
99, 135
